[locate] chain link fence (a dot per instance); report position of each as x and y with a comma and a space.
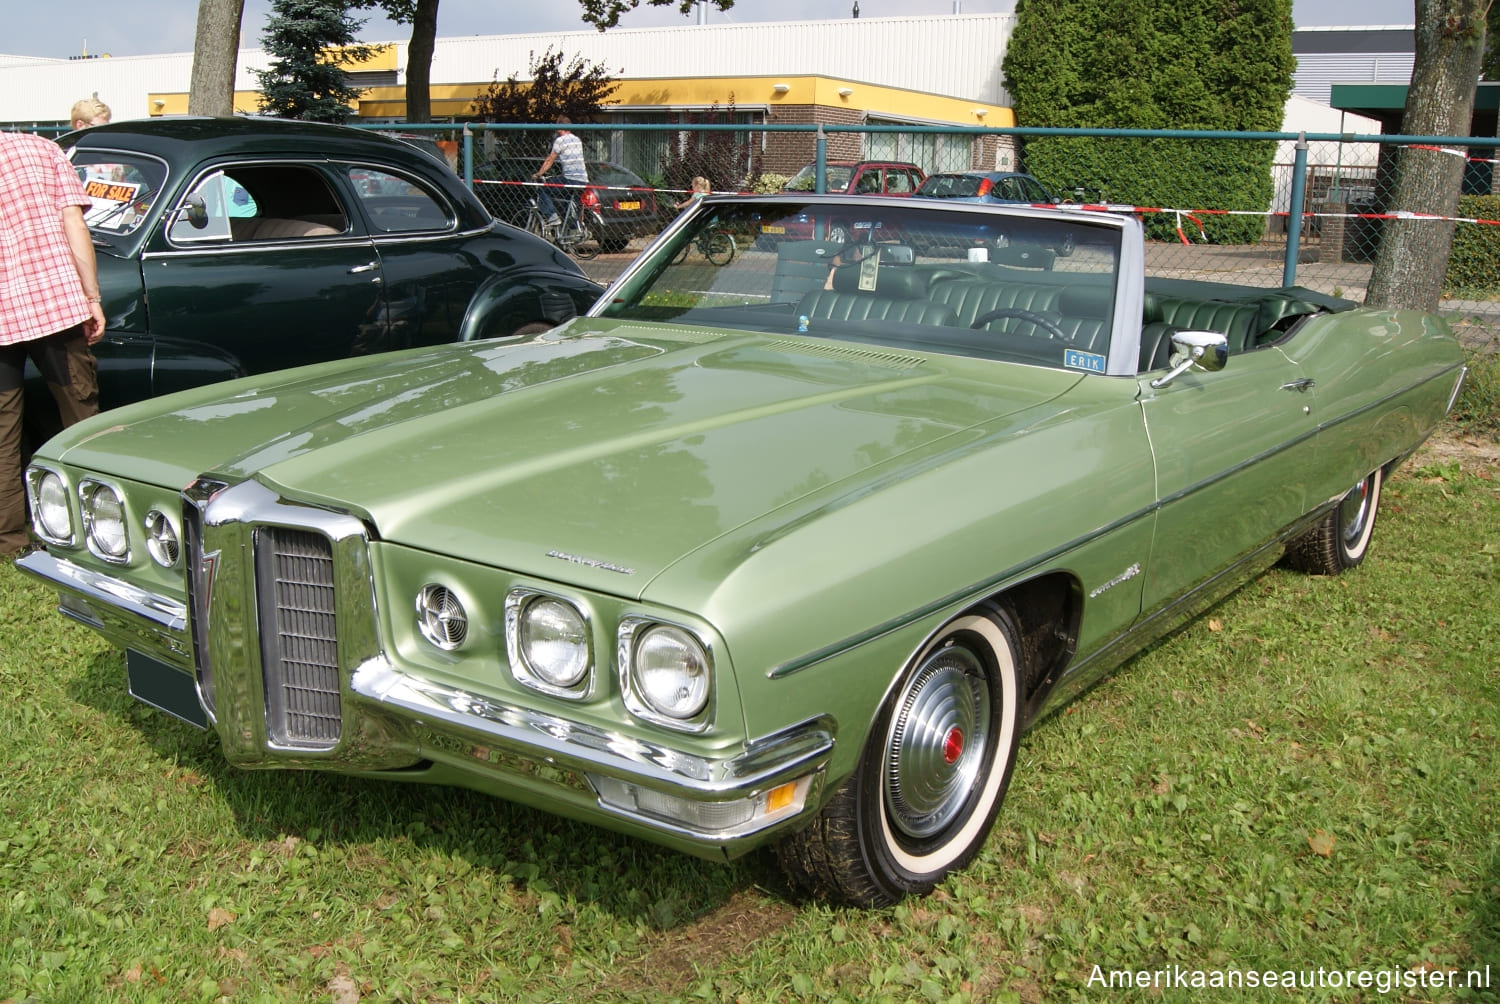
1198, 225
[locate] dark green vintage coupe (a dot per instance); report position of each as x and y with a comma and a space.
789, 550
234, 246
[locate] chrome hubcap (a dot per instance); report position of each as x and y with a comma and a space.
1354, 510
936, 743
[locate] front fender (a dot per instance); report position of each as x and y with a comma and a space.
503, 306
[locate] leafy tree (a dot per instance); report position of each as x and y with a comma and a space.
312, 41
1155, 64
216, 46
1413, 254
728, 159
574, 91
606, 13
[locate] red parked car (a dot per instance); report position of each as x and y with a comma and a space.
850, 177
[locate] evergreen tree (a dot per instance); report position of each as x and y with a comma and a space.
1155, 64
312, 41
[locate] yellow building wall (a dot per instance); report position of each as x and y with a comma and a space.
868, 99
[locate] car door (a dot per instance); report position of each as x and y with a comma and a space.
1234, 452
264, 261
428, 276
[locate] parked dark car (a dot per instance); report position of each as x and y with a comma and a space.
997, 187
620, 204
844, 177
233, 246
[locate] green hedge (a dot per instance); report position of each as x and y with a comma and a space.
1165, 173
1474, 263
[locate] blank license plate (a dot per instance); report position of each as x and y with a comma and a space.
164, 687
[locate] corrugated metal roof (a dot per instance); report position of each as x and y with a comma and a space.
957, 55
1317, 72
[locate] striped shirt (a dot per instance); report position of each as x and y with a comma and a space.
40, 292
569, 150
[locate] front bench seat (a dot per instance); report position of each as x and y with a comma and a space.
900, 295
973, 298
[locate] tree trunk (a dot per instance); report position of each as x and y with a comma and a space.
1413, 254
419, 61
216, 49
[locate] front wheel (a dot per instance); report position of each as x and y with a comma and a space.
931, 777
719, 248
1340, 540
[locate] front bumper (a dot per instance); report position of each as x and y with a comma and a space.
370, 716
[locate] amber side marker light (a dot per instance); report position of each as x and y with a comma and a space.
781, 796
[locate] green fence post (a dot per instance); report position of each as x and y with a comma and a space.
1294, 214
820, 169
468, 157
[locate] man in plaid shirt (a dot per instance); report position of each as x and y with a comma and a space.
49, 304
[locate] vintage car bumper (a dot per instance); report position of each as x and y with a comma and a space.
359, 713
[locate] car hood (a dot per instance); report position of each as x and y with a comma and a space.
601, 454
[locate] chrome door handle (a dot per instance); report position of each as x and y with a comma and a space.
369, 267
1300, 386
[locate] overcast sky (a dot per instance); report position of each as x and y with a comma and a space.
145, 27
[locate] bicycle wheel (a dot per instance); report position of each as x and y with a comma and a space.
584, 245
682, 255
534, 222
719, 247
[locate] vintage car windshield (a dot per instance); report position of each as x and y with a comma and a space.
935, 277
123, 186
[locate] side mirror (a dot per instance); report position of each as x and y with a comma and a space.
195, 211
1207, 350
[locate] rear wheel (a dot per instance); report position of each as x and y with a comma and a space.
932, 775
1340, 540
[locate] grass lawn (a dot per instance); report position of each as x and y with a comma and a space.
1306, 777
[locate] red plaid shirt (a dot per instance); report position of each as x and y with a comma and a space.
40, 293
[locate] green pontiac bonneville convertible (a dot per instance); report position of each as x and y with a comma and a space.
232, 246
786, 551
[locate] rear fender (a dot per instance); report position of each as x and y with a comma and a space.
503, 307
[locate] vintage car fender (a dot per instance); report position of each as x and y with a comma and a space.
501, 307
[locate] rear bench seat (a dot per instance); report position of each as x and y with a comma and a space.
262, 228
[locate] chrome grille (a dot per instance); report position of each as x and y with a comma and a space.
295, 574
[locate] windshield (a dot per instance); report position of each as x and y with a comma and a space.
835, 179
122, 188
1032, 286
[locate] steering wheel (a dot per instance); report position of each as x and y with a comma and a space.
1047, 324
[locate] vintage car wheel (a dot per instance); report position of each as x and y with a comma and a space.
1339, 540
931, 777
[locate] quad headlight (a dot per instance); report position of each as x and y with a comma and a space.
50, 514
665, 674
548, 644
104, 522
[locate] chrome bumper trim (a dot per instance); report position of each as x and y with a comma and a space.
131, 617
454, 719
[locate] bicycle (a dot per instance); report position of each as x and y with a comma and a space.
572, 234
715, 245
